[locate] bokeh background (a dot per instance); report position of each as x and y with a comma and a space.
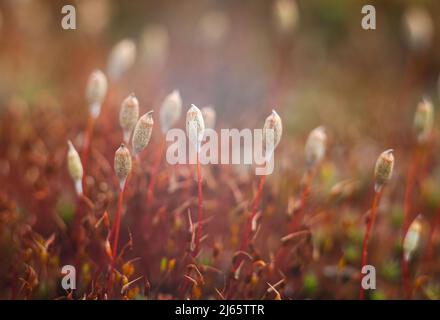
310, 60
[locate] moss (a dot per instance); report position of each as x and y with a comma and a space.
43, 291
310, 284
355, 235
378, 295
432, 291
163, 264
430, 192
139, 297
397, 248
206, 260
65, 210
351, 253
390, 270
328, 174
396, 217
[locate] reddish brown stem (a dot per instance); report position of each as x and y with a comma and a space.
117, 224
77, 221
430, 244
199, 223
86, 149
370, 224
114, 234
405, 278
80, 207
248, 230
256, 204
78, 232
299, 217
155, 170
299, 214
407, 205
200, 213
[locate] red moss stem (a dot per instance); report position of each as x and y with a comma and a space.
430, 244
200, 212
198, 237
405, 278
412, 173
79, 208
370, 224
299, 217
117, 224
114, 234
78, 232
248, 230
86, 150
256, 204
154, 172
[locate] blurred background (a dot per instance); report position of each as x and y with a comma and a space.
308, 59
